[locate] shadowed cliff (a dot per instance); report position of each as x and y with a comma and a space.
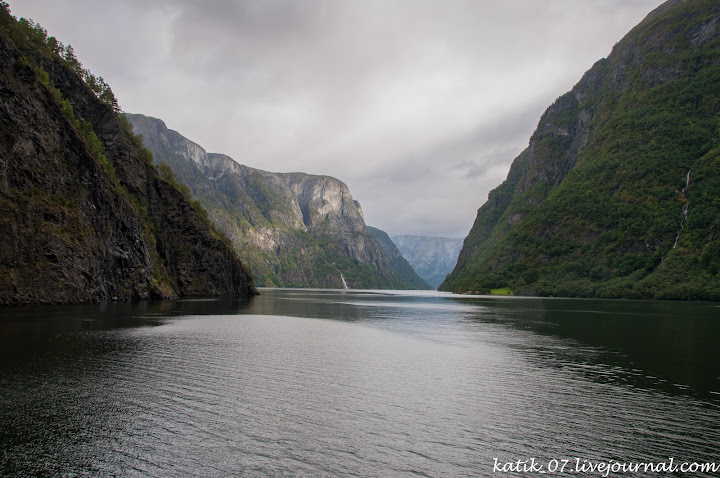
83, 215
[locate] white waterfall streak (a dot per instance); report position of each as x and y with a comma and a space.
685, 209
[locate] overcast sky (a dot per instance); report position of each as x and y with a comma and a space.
418, 105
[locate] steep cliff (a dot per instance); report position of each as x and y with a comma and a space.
292, 229
83, 215
433, 258
397, 261
618, 192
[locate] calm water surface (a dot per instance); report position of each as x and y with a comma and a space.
355, 383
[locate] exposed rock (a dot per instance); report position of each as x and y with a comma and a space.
432, 258
293, 229
397, 261
75, 230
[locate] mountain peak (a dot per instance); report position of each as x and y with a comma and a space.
293, 229
598, 205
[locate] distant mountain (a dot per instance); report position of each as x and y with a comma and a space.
618, 192
431, 257
84, 217
292, 229
397, 261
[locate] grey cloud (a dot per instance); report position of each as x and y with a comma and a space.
470, 154
419, 105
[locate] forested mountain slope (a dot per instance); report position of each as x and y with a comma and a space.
433, 258
84, 215
397, 261
618, 192
292, 229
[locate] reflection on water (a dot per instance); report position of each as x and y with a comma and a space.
354, 383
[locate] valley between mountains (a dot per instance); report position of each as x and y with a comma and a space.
617, 194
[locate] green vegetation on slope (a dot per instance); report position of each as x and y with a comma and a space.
398, 262
281, 236
84, 212
26, 33
607, 227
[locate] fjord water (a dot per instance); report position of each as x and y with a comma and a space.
355, 383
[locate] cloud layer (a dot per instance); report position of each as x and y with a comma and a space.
418, 105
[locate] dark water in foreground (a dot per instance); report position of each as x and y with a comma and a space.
335, 383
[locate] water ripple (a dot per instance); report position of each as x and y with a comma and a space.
393, 385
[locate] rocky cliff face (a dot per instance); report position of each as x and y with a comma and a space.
83, 222
293, 229
432, 258
398, 262
617, 192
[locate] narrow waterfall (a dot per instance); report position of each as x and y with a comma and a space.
682, 225
685, 210
687, 183
684, 213
344, 283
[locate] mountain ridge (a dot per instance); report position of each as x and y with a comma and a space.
594, 206
397, 260
432, 258
293, 229
84, 216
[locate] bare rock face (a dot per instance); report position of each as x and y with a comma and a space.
293, 229
397, 260
433, 258
73, 229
